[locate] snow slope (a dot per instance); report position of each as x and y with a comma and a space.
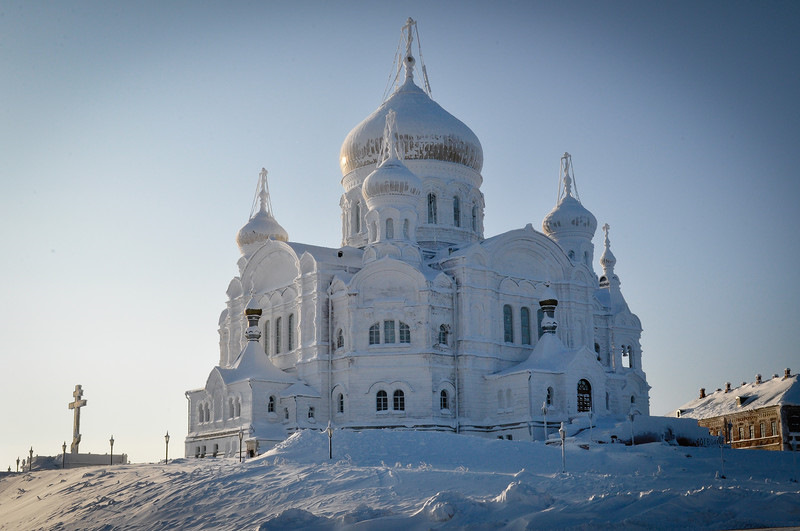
412, 480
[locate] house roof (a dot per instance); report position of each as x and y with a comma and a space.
776, 391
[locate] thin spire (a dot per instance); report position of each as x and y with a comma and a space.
406, 58
608, 260
390, 148
262, 195
567, 178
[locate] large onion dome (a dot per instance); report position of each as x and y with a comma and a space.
429, 133
262, 226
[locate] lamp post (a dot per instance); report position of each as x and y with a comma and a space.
329, 431
563, 434
30, 461
166, 443
241, 436
64, 454
544, 414
111, 459
591, 425
17, 465
631, 415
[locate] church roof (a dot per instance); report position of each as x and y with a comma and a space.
253, 364
549, 355
777, 391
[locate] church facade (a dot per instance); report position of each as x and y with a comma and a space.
418, 321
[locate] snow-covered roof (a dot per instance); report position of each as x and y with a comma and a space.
549, 355
299, 389
253, 364
350, 256
747, 397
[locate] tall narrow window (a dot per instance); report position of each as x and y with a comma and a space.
405, 333
340, 403
266, 338
443, 334
431, 208
290, 333
584, 396
549, 396
388, 332
374, 334
357, 218
271, 405
399, 401
762, 430
278, 335
311, 412
475, 218
444, 403
774, 426
238, 409
539, 317
508, 324
525, 325
339, 339
390, 229
406, 230
456, 212
381, 401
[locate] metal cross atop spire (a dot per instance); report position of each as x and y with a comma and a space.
76, 422
390, 146
407, 59
566, 178
262, 195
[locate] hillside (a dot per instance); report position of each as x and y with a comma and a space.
411, 480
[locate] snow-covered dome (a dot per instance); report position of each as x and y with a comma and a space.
391, 177
569, 218
262, 225
428, 133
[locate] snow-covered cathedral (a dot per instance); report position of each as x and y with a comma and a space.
418, 321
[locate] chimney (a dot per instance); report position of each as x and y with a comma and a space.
787, 372
702, 392
774, 376
727, 387
758, 379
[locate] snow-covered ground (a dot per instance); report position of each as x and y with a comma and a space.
413, 480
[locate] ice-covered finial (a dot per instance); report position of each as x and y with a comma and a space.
263, 194
409, 60
567, 177
607, 260
390, 148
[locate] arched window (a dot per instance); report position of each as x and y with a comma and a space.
381, 401
549, 396
456, 212
286, 413
509, 403
398, 401
357, 217
278, 335
271, 405
375, 334
406, 231
443, 334
311, 412
390, 229
373, 236
405, 333
340, 403
633, 399
238, 409
290, 333
339, 339
525, 325
388, 332
500, 401
444, 403
475, 218
201, 416
508, 324
231, 411
431, 208
584, 396
208, 413
266, 338
626, 358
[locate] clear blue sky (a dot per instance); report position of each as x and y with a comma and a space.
132, 134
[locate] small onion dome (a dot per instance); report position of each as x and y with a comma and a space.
569, 219
261, 227
608, 260
429, 133
392, 177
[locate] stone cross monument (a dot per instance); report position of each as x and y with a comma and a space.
76, 424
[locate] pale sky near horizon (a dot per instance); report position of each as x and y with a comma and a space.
132, 134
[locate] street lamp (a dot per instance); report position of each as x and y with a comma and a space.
17, 464
241, 436
64, 454
30, 461
563, 434
111, 440
329, 430
591, 425
544, 414
631, 415
166, 442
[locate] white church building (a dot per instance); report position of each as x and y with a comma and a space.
418, 321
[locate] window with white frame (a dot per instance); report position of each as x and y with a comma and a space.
375, 334
443, 334
390, 229
340, 403
525, 325
339, 339
508, 324
381, 401
388, 332
444, 402
311, 412
584, 396
278, 335
399, 401
271, 404
431, 208
290, 333
405, 333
